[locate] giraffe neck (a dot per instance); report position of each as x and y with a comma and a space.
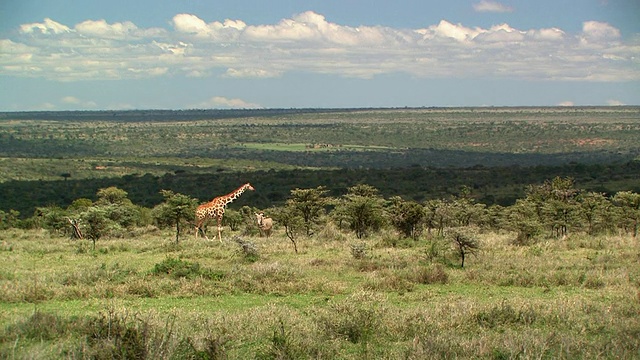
235, 194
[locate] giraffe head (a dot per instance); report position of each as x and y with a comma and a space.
248, 187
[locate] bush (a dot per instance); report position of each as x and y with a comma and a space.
359, 251
357, 318
432, 274
248, 249
177, 268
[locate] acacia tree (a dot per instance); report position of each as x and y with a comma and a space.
629, 203
561, 207
554, 205
465, 211
112, 196
292, 221
495, 216
592, 208
407, 217
177, 209
118, 207
439, 214
363, 208
53, 218
522, 218
309, 204
97, 223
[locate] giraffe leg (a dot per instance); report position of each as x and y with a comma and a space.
199, 222
199, 228
220, 229
204, 232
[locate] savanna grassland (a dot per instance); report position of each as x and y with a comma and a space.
147, 297
552, 267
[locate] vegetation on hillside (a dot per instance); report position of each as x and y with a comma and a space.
53, 158
398, 233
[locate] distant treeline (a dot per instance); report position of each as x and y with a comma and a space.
495, 185
158, 115
209, 114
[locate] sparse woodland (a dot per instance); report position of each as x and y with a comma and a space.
353, 269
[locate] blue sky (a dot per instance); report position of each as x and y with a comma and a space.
183, 54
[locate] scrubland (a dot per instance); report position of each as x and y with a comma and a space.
145, 296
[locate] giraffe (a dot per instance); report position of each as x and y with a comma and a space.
264, 224
215, 209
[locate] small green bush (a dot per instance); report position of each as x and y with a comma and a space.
177, 268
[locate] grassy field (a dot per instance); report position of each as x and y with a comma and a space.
145, 296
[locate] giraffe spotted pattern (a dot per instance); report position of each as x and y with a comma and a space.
214, 209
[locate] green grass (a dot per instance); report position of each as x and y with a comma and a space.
574, 298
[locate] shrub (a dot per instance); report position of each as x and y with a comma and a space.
357, 318
177, 268
359, 251
432, 274
248, 249
464, 242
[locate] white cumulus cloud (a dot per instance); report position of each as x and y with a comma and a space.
491, 6
193, 25
48, 26
595, 31
101, 28
309, 42
227, 103
251, 73
74, 102
70, 100
612, 102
